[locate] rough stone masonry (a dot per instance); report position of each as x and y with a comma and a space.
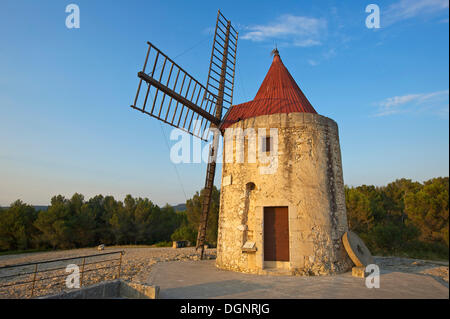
307, 181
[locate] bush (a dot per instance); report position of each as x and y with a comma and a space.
164, 244
185, 232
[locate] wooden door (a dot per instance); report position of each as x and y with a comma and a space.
276, 234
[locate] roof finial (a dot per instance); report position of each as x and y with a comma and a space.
275, 51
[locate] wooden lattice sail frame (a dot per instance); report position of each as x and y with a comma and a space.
176, 98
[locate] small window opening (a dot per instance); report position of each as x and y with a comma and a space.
267, 144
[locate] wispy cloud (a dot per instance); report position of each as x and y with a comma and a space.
327, 55
407, 9
435, 102
208, 30
289, 29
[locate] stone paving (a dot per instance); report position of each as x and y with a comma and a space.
180, 274
201, 279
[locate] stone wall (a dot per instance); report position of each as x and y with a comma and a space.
109, 290
306, 177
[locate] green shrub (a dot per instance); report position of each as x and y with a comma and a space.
164, 244
185, 232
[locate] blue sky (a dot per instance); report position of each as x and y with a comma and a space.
66, 125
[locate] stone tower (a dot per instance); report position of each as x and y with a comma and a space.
282, 204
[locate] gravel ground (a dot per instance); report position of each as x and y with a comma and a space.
435, 269
136, 266
137, 263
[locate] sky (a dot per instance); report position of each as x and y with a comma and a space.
66, 125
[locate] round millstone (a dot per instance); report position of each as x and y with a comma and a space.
357, 250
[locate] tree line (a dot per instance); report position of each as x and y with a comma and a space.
402, 218
76, 222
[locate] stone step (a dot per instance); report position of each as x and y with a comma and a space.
277, 272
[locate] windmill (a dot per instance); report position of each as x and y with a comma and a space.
178, 99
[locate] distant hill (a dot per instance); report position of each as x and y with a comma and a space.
37, 207
41, 207
179, 207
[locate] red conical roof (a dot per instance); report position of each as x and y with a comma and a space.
278, 94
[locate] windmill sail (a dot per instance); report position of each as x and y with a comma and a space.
224, 47
224, 92
173, 96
